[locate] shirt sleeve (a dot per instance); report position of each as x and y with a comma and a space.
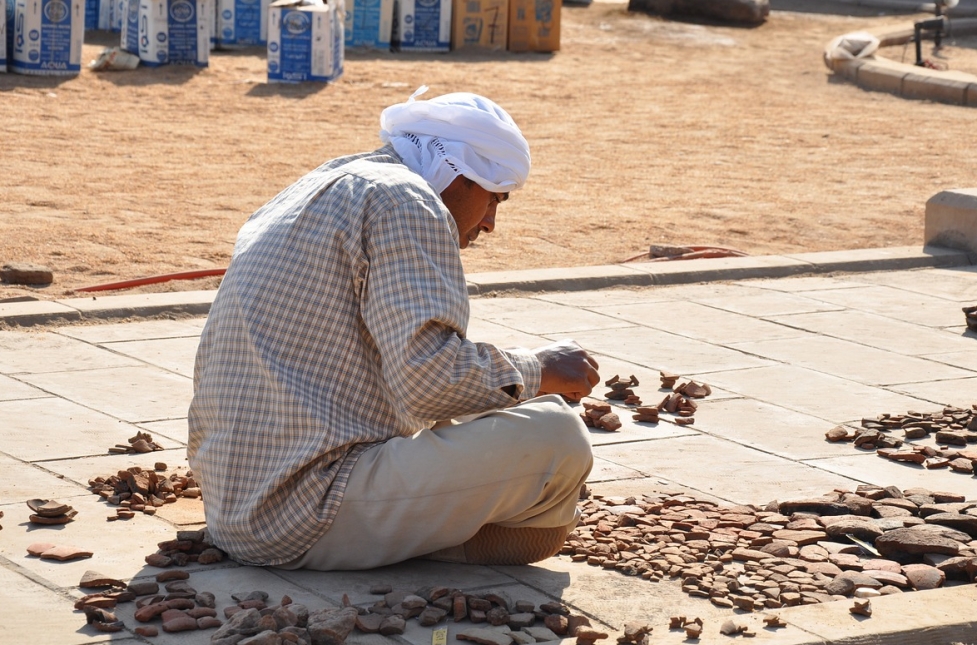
415, 307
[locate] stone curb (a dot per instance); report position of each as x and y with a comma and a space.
910, 6
638, 274
906, 79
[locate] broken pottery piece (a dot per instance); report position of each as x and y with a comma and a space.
65, 553
95, 580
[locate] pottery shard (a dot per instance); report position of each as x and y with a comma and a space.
484, 636
393, 625
48, 507
208, 622
143, 588
171, 575
900, 543
95, 580
331, 626
862, 529
958, 521
959, 568
178, 623
64, 553
149, 612
543, 634
820, 506
245, 622
26, 273
37, 548
838, 433
556, 623
802, 538
749, 555
888, 577
58, 519
923, 576
369, 623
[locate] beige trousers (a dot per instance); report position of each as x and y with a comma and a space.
520, 468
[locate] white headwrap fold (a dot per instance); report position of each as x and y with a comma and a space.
459, 133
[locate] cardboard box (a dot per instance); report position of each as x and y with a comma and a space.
534, 25
422, 26
98, 14
47, 37
480, 24
3, 35
117, 13
369, 23
242, 23
305, 42
168, 32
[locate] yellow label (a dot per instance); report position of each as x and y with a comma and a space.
440, 636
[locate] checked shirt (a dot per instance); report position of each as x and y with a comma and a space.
341, 322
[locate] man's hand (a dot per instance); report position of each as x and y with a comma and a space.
567, 369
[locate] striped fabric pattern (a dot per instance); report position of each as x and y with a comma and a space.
341, 322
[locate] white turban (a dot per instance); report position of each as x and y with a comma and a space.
458, 134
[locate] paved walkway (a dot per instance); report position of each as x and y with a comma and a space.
787, 357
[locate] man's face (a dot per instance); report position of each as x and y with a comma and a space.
472, 207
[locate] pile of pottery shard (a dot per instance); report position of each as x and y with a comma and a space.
137, 490
870, 542
142, 442
49, 511
189, 546
952, 428
498, 620
171, 603
679, 403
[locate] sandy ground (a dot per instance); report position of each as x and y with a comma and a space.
643, 130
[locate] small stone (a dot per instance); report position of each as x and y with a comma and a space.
380, 590
147, 630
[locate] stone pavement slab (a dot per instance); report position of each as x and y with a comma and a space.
36, 429
814, 393
851, 361
700, 322
724, 468
877, 331
896, 303
162, 394
787, 358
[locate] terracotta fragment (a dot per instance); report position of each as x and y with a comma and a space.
65, 553
94, 580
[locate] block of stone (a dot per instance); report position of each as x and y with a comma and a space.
26, 273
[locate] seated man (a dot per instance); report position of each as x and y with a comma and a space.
335, 357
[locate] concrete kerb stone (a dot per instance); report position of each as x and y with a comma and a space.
907, 80
951, 219
44, 312
640, 274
